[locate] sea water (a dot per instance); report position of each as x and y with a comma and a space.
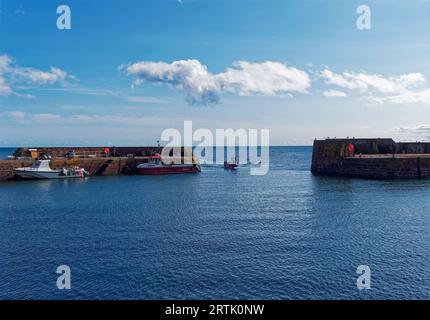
5, 152
216, 235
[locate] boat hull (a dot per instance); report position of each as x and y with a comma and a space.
156, 170
44, 175
230, 166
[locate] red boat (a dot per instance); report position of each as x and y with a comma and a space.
155, 166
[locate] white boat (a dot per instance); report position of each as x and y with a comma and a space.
41, 170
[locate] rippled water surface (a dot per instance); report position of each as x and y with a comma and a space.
217, 235
5, 152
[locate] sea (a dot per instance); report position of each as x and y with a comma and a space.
219, 234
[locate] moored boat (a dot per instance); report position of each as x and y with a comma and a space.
41, 169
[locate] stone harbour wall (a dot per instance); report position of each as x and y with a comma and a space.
106, 166
371, 159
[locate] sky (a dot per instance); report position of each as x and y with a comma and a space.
127, 70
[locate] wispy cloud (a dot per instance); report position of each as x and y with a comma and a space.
418, 133
334, 94
20, 12
365, 82
84, 119
144, 99
45, 117
39, 77
73, 90
405, 97
402, 89
5, 88
12, 74
17, 115
204, 88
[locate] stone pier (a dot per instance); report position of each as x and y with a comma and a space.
371, 158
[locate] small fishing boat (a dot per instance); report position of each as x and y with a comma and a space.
41, 169
232, 165
154, 166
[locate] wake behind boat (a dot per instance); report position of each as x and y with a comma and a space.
41, 170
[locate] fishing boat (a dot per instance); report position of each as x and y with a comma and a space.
154, 165
41, 169
232, 165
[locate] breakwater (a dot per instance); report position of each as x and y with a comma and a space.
371, 158
98, 161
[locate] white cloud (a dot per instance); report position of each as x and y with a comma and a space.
5, 89
203, 88
267, 78
73, 90
334, 94
11, 73
364, 82
35, 76
418, 133
143, 99
405, 97
5, 62
45, 117
84, 119
17, 115
187, 75
403, 89
118, 120
412, 79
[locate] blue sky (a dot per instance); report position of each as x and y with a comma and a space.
127, 70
